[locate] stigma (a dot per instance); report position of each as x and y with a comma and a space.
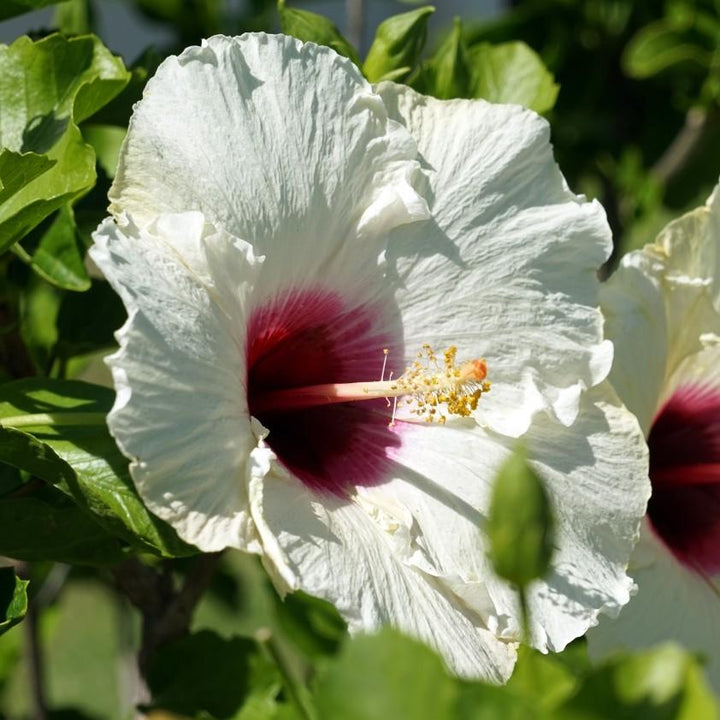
434, 388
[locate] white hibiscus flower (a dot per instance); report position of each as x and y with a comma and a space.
662, 310
284, 238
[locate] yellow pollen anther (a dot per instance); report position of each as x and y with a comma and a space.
430, 383
433, 388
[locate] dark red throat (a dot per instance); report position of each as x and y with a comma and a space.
311, 337
685, 473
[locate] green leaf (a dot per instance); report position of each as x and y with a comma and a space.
477, 701
47, 525
118, 111
448, 73
665, 683
10, 8
25, 452
87, 321
17, 170
13, 599
39, 306
520, 523
75, 17
69, 417
398, 42
512, 73
314, 625
206, 673
544, 679
39, 118
58, 256
11, 479
385, 676
106, 141
659, 46
310, 27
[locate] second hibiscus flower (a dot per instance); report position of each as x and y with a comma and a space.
663, 313
285, 238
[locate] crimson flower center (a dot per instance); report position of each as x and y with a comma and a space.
684, 446
317, 371
308, 338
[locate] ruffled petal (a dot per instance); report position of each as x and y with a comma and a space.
506, 268
673, 603
281, 143
635, 321
596, 475
331, 548
661, 306
181, 411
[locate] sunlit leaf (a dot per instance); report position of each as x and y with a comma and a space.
39, 118
69, 417
511, 73
19, 169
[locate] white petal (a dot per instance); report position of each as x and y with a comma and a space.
701, 370
672, 603
596, 475
661, 306
635, 321
280, 143
507, 267
181, 412
331, 548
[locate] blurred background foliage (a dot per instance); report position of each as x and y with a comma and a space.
632, 92
636, 115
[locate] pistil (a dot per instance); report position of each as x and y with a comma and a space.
432, 388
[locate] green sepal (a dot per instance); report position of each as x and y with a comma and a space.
520, 522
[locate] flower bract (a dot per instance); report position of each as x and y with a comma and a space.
345, 303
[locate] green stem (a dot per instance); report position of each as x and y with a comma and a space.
58, 418
297, 692
525, 610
